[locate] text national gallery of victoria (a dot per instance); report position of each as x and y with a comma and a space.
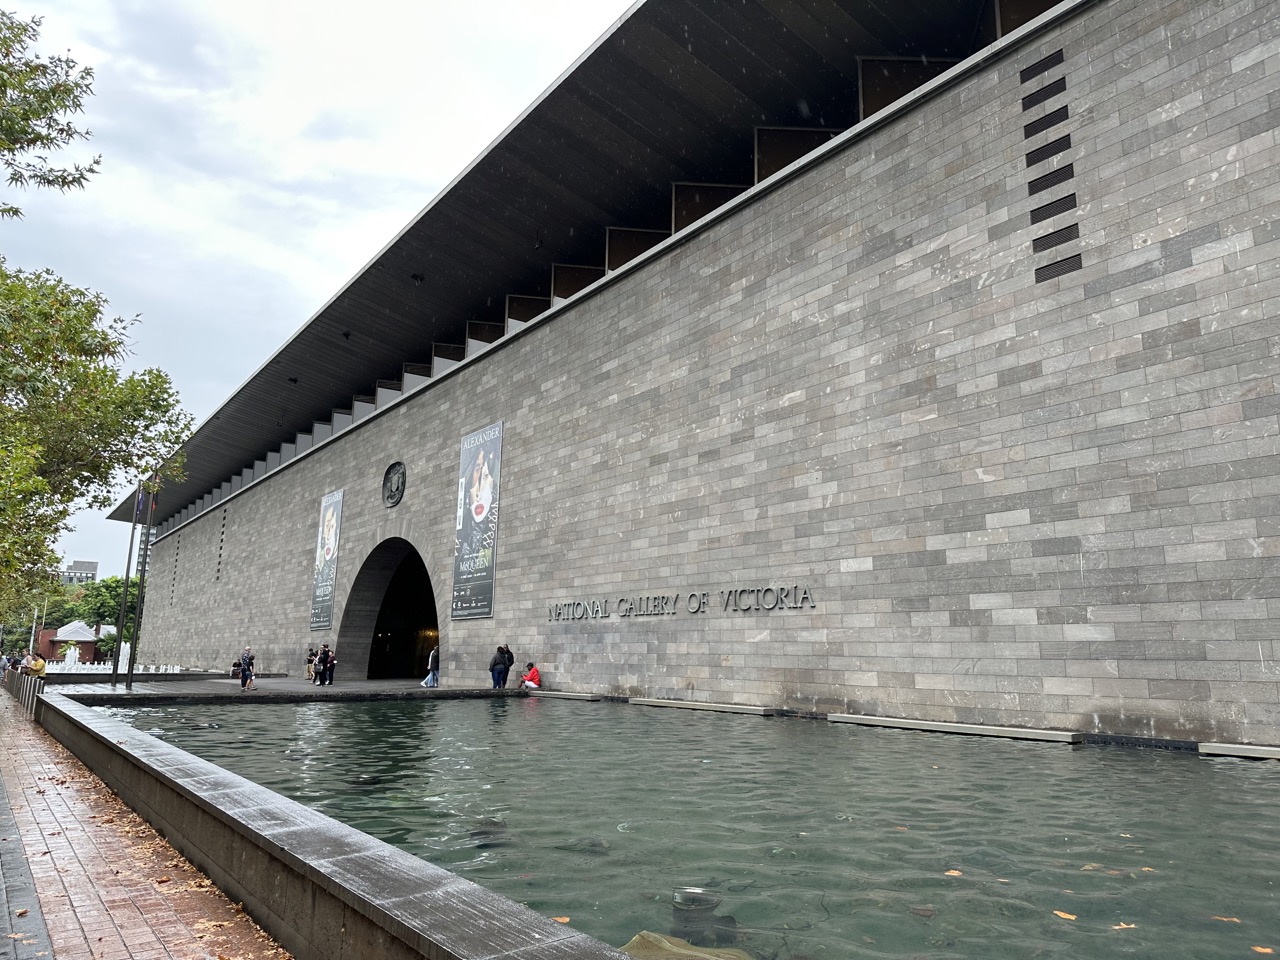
907, 360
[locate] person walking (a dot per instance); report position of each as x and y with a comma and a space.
498, 668
246, 670
510, 659
432, 678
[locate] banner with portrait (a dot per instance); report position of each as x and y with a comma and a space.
326, 566
475, 545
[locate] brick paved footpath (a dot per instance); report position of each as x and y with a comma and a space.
84, 878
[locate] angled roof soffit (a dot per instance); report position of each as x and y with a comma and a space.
671, 93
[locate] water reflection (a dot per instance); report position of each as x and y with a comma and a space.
805, 839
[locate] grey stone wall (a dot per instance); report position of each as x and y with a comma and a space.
1047, 502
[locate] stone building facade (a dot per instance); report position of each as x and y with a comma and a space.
971, 416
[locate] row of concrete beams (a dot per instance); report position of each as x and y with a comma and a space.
882, 81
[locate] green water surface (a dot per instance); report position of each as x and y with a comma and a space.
816, 840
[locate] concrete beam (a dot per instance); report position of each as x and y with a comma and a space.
972, 729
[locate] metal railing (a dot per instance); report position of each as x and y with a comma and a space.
24, 688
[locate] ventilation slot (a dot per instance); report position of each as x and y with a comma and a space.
1051, 149
222, 540
173, 581
1044, 123
1064, 173
1051, 179
1044, 93
1061, 205
1058, 269
1056, 239
1043, 65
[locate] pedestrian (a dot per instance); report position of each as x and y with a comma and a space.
311, 664
432, 678
531, 679
510, 659
321, 665
246, 670
498, 668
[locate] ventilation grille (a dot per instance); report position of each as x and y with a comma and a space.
1063, 174
222, 539
1044, 123
1043, 65
1051, 179
1056, 239
1050, 149
1053, 208
1047, 92
173, 581
1058, 268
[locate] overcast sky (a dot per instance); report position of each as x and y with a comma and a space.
257, 153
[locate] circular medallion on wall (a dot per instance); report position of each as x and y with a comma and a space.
393, 484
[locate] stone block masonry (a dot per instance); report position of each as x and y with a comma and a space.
994, 382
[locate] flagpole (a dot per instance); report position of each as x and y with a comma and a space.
124, 594
144, 553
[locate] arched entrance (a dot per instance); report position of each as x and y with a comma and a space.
389, 624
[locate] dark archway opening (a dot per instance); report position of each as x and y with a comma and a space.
407, 628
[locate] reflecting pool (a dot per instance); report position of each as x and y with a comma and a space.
805, 839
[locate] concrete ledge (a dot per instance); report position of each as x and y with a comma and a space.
323, 890
972, 729
1239, 750
717, 707
557, 695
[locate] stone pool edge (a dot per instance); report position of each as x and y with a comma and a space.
1072, 737
321, 889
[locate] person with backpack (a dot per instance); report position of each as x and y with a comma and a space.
246, 670
498, 668
325, 661
510, 659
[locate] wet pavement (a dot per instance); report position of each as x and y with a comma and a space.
84, 878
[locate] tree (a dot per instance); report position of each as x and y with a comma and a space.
72, 422
100, 604
36, 96
62, 606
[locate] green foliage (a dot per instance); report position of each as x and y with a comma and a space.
72, 419
36, 97
100, 603
62, 606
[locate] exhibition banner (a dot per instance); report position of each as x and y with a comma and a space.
326, 569
475, 546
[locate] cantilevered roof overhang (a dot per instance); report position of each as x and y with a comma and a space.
671, 93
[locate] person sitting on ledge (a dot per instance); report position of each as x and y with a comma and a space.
531, 679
